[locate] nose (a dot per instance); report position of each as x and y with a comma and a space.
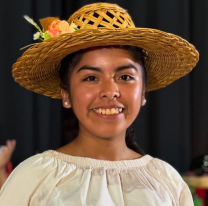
109, 89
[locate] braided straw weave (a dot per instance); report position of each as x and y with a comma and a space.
167, 56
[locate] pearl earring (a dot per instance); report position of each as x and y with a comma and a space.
66, 103
144, 101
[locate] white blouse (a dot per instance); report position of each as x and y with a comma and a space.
56, 179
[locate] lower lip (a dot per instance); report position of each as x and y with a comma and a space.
111, 116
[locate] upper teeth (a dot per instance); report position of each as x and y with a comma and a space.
108, 111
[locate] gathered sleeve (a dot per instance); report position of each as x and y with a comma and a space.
174, 183
22, 185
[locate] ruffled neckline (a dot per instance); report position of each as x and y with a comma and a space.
96, 163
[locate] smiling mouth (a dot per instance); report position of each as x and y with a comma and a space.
112, 111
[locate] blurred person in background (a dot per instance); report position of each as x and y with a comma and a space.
5, 157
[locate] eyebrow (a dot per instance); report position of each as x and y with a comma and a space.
97, 69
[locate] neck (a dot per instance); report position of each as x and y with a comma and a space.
108, 148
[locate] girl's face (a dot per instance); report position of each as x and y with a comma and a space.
105, 91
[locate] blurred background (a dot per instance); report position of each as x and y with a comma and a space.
172, 126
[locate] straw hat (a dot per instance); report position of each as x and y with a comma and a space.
167, 56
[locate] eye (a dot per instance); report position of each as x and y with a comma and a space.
90, 79
126, 77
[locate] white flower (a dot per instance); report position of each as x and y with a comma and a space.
36, 35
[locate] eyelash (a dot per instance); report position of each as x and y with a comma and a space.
88, 78
126, 75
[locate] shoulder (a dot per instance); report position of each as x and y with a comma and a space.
34, 163
28, 179
165, 168
166, 172
171, 180
33, 168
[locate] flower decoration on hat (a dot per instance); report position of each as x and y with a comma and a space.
52, 27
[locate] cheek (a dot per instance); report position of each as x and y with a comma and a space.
133, 96
81, 97
137, 93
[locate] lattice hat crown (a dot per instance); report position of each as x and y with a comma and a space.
103, 16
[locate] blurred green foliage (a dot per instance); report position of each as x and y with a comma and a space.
197, 200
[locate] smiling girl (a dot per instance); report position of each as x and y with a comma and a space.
104, 74
105, 87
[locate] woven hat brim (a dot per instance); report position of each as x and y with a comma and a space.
169, 57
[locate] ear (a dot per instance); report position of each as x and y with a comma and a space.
65, 99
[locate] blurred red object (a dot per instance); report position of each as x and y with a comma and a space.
9, 168
202, 194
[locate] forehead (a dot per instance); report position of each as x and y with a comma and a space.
106, 55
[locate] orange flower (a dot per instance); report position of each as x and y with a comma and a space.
58, 27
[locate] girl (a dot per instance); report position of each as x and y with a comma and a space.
101, 66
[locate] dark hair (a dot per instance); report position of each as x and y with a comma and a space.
71, 126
